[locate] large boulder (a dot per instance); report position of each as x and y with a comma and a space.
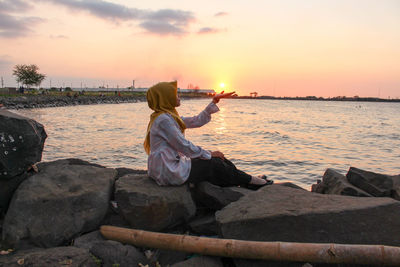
58, 256
200, 261
88, 240
337, 184
278, 213
7, 189
21, 143
58, 203
146, 205
112, 253
204, 225
215, 197
378, 185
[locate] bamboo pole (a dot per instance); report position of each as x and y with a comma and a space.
272, 251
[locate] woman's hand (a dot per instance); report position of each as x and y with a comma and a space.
217, 154
217, 97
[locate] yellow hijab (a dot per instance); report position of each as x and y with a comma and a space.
162, 99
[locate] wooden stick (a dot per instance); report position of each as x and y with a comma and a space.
272, 251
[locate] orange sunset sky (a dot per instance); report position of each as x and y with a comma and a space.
280, 48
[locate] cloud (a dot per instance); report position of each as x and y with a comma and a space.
101, 9
58, 36
167, 21
14, 6
12, 26
177, 17
162, 28
221, 14
208, 30
162, 22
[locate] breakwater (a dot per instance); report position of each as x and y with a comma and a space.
43, 101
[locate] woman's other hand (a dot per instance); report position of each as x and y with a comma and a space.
217, 97
217, 154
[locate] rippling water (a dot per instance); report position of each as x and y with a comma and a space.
287, 140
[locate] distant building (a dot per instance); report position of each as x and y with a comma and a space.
8, 90
253, 94
141, 90
201, 91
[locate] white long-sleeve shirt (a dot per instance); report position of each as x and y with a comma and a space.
169, 160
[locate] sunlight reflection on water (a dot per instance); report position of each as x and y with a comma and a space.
287, 140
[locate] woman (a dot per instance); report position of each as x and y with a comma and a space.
173, 160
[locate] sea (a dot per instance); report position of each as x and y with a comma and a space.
287, 140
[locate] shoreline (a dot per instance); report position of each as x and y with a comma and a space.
44, 101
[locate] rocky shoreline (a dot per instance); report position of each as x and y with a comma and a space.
44, 101
51, 211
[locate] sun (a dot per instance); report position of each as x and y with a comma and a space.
222, 85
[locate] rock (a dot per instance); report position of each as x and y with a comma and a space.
278, 213
206, 225
148, 206
58, 256
378, 185
215, 197
125, 171
57, 204
200, 261
69, 161
113, 218
7, 189
337, 184
87, 241
292, 185
112, 253
261, 263
21, 143
167, 257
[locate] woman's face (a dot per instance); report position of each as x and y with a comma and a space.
178, 101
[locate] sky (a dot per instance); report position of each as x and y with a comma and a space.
278, 48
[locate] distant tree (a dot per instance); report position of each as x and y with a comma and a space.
28, 74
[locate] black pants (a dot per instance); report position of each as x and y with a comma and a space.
217, 171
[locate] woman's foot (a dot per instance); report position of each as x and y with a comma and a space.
264, 177
259, 181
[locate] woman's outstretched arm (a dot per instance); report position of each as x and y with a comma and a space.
201, 119
205, 116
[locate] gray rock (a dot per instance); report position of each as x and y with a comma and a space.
125, 171
51, 257
292, 185
21, 143
7, 189
57, 204
147, 206
167, 257
215, 197
87, 241
200, 261
112, 253
337, 184
70, 161
260, 263
113, 218
206, 225
378, 185
278, 213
